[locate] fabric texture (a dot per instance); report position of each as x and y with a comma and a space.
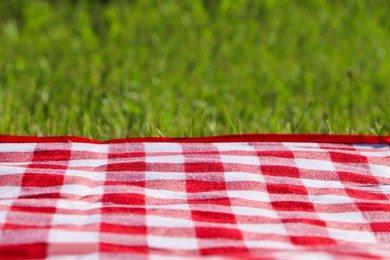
238, 197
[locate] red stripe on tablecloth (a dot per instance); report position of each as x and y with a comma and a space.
316, 138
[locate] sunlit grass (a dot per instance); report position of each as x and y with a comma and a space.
193, 68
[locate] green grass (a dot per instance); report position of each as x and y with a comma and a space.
194, 68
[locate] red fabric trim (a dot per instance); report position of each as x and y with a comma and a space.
314, 138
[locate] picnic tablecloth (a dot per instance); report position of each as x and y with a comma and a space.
239, 197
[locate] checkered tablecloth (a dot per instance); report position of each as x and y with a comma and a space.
257, 196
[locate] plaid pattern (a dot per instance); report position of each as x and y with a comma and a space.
178, 199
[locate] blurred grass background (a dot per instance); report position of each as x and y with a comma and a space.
111, 69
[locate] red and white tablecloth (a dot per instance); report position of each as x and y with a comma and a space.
244, 196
